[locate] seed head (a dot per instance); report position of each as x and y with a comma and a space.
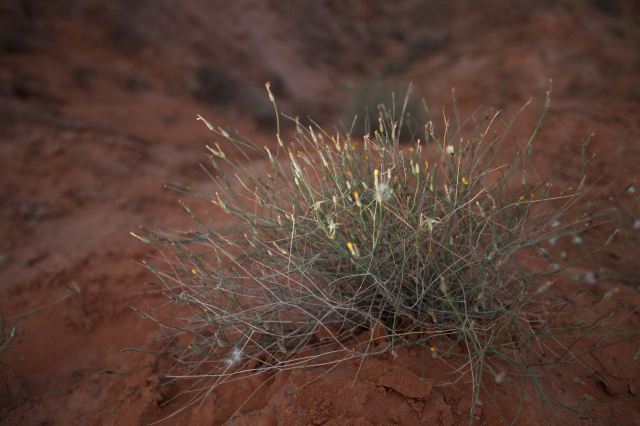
385, 191
443, 285
356, 197
234, 357
353, 249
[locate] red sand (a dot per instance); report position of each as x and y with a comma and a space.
96, 114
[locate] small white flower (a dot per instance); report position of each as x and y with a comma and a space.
577, 240
631, 189
555, 223
590, 278
563, 255
636, 224
553, 240
450, 150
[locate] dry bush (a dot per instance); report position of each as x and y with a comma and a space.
350, 247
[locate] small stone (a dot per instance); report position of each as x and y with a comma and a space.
605, 385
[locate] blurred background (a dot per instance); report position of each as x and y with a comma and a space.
97, 110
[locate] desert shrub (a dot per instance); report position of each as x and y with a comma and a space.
19, 28
126, 32
16, 38
211, 84
83, 77
9, 325
368, 100
417, 48
348, 247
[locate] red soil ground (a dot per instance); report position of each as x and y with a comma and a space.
97, 108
